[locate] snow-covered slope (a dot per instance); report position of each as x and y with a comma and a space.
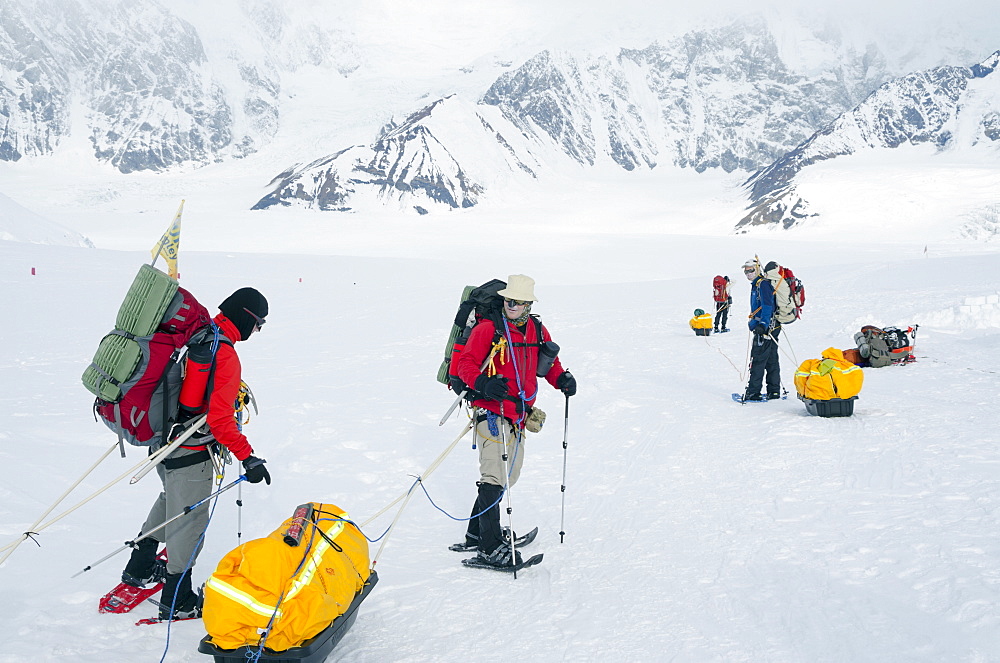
18, 224
957, 109
696, 529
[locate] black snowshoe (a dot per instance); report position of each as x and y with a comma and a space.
502, 559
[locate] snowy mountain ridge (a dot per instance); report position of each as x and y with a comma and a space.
158, 92
714, 98
950, 107
145, 87
138, 82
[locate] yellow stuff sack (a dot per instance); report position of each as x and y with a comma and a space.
303, 587
703, 321
829, 377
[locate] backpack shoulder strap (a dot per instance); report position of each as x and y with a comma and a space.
538, 334
217, 338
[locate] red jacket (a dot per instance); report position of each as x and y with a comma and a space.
517, 363
225, 389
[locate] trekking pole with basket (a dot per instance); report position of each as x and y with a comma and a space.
562, 488
506, 486
146, 534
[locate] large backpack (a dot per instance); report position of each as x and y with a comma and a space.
477, 303
789, 294
872, 346
884, 346
137, 371
899, 343
719, 288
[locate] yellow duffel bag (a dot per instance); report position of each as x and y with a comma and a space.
302, 587
829, 377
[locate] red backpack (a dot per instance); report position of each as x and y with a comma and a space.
796, 290
139, 400
719, 288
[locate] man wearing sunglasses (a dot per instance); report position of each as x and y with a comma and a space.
765, 328
187, 473
501, 359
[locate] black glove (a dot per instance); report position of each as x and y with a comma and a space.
760, 330
566, 383
254, 470
494, 387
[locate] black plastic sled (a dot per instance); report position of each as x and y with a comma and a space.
834, 407
314, 650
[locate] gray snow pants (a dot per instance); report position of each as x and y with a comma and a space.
491, 465
182, 487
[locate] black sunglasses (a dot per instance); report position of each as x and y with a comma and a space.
259, 320
514, 302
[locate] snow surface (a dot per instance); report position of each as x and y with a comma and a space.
19, 224
696, 529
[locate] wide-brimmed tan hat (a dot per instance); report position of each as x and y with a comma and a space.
519, 287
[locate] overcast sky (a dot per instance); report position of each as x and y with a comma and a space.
446, 29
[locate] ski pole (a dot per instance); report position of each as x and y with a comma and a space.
184, 512
506, 487
744, 376
31, 530
562, 517
160, 454
239, 515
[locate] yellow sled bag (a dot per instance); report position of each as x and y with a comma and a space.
829, 377
303, 575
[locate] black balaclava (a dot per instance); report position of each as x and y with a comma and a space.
234, 305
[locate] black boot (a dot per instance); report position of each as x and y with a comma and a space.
472, 531
187, 604
143, 568
488, 504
